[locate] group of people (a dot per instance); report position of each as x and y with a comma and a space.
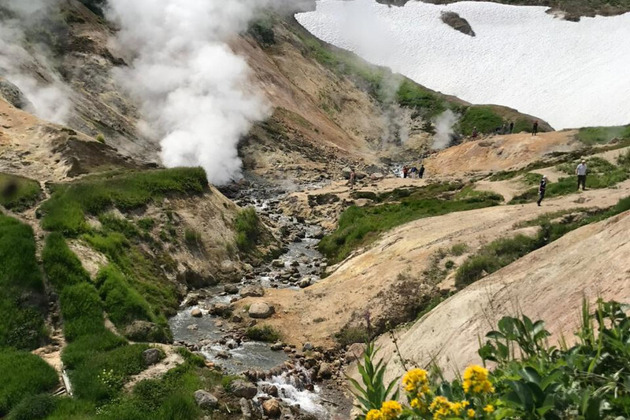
413, 172
506, 128
580, 171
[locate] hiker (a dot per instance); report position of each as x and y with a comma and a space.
541, 189
475, 133
353, 177
535, 128
511, 127
580, 171
504, 128
405, 171
421, 171
414, 172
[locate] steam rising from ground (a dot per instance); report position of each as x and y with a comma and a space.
49, 97
194, 91
444, 129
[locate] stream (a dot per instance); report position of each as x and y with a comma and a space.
275, 369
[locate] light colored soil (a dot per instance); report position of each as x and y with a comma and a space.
499, 153
360, 282
548, 284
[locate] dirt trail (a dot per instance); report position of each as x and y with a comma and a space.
547, 284
360, 282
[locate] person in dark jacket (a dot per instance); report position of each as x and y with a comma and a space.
535, 128
511, 127
541, 189
421, 173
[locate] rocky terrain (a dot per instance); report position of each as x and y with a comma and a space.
152, 292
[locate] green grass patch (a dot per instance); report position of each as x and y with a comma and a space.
32, 408
359, 226
602, 135
66, 210
22, 299
352, 334
23, 375
264, 333
248, 229
459, 249
483, 117
62, 266
428, 103
18, 193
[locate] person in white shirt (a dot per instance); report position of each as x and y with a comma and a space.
581, 171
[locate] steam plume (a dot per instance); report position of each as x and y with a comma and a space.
194, 91
48, 96
444, 131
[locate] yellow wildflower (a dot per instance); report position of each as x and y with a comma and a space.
374, 415
440, 407
476, 380
391, 410
470, 413
416, 380
488, 408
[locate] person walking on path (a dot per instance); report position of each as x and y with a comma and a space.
541, 189
421, 171
405, 171
535, 128
581, 171
511, 127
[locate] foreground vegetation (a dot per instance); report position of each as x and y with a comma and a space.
359, 226
530, 379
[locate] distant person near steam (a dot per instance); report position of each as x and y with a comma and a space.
421, 171
511, 127
541, 189
535, 128
405, 171
353, 178
581, 171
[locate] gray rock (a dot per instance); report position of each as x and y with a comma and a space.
206, 400
270, 390
220, 309
304, 283
197, 280
277, 346
376, 176
307, 346
141, 330
243, 389
196, 313
231, 344
232, 289
252, 291
325, 370
261, 310
246, 409
13, 95
458, 23
151, 356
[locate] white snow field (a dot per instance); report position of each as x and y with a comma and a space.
572, 74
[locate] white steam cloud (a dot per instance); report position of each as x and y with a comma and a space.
30, 70
195, 93
444, 130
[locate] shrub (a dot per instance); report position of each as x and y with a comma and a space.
23, 375
18, 193
248, 229
264, 333
459, 249
262, 31
415, 96
352, 334
192, 239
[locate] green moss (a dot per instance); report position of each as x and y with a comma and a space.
22, 299
23, 375
18, 193
62, 267
66, 210
428, 103
81, 310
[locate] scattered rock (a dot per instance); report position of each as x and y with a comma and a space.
232, 289
197, 280
193, 327
243, 389
277, 346
261, 310
246, 408
141, 330
304, 283
325, 371
13, 95
252, 291
270, 390
271, 408
206, 400
307, 346
237, 318
377, 176
196, 313
231, 344
151, 356
220, 309
457, 22
355, 352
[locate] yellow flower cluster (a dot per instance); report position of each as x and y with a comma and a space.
416, 381
442, 408
476, 380
389, 411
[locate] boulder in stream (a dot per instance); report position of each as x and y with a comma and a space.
272, 409
243, 389
206, 400
252, 291
196, 313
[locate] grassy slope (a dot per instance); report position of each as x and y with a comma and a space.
18, 193
359, 226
